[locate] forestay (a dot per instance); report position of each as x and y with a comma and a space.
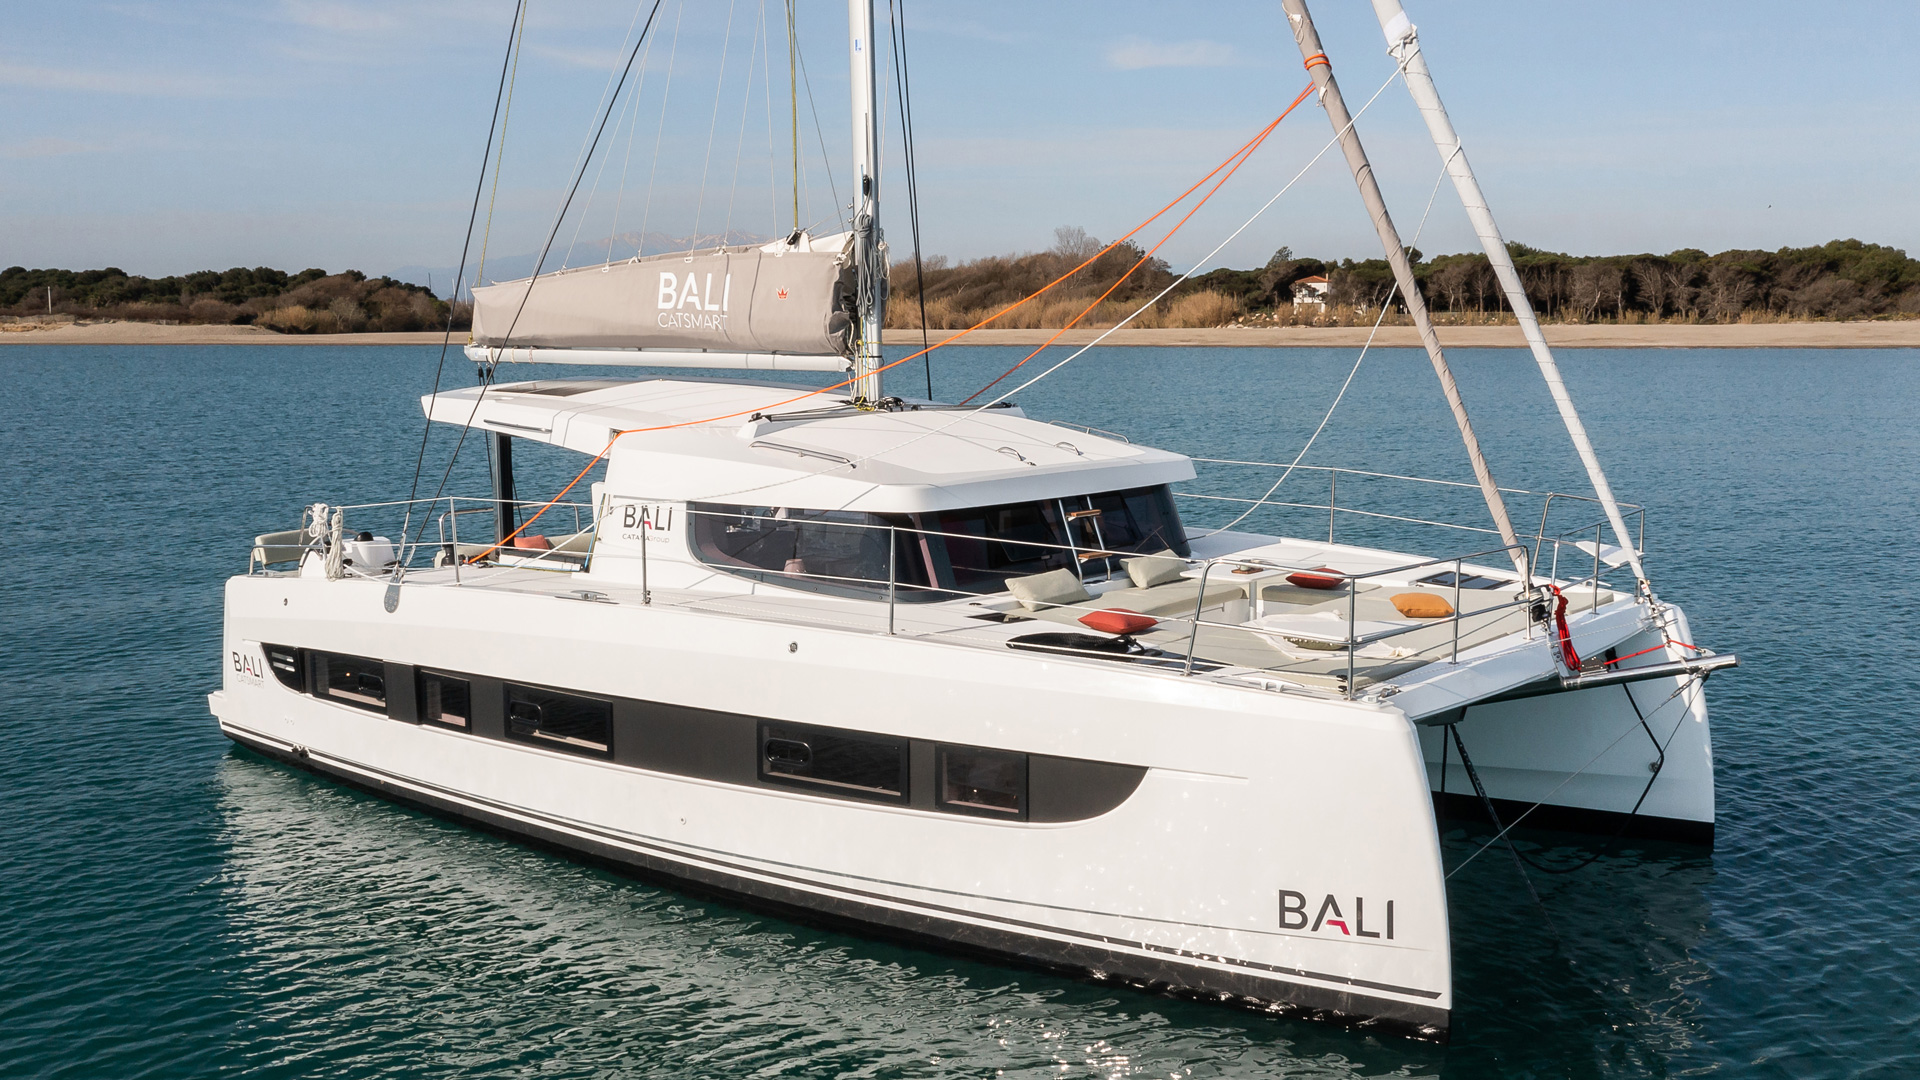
773, 298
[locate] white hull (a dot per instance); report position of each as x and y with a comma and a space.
1245, 794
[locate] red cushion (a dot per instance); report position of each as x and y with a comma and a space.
1118, 621
533, 541
1308, 579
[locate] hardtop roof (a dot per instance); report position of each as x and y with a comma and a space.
817, 452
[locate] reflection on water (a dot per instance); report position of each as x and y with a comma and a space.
379, 937
376, 938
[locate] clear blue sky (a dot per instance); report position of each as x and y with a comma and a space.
167, 137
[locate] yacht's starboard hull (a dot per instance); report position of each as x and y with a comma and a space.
1253, 847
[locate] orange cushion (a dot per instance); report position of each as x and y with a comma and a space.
1118, 621
533, 541
1419, 605
1307, 579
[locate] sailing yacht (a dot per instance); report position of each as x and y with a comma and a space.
958, 675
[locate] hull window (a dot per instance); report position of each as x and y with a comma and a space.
288, 665
853, 764
989, 783
549, 718
351, 680
445, 700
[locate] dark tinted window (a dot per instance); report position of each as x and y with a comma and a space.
445, 700
986, 545
1142, 521
560, 721
990, 783
832, 551
845, 762
287, 665
351, 680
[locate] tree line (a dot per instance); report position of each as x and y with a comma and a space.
311, 301
1844, 279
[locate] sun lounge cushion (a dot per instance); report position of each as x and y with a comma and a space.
1118, 621
1051, 589
1173, 598
1421, 605
533, 541
1320, 577
1149, 570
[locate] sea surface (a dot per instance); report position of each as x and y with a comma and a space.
171, 906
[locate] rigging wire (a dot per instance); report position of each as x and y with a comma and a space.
897, 30
1231, 237
513, 50
766, 83
653, 171
1090, 260
1685, 688
546, 249
582, 157
832, 187
1392, 291
746, 106
1245, 153
793, 97
633, 124
446, 340
631, 102
713, 127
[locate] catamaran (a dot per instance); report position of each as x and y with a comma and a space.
959, 674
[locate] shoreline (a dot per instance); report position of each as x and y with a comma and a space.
1904, 334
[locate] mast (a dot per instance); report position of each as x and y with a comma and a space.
1321, 70
869, 260
1404, 45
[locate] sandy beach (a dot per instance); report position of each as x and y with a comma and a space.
1799, 335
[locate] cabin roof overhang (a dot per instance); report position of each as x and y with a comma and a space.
746, 443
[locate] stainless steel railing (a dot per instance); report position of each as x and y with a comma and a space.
446, 512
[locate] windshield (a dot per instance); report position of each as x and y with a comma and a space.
939, 555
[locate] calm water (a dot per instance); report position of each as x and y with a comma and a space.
172, 907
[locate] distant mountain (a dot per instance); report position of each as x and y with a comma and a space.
585, 253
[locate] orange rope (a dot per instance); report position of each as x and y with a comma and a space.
1245, 153
1233, 162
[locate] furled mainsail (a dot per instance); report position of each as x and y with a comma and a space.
773, 298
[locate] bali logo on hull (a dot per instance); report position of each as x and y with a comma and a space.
1330, 916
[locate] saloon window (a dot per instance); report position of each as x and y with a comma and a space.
848, 763
843, 553
986, 783
986, 545
445, 700
558, 721
980, 547
351, 680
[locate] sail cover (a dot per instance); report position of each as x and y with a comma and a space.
776, 298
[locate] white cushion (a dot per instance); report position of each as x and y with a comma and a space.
1051, 589
1150, 570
